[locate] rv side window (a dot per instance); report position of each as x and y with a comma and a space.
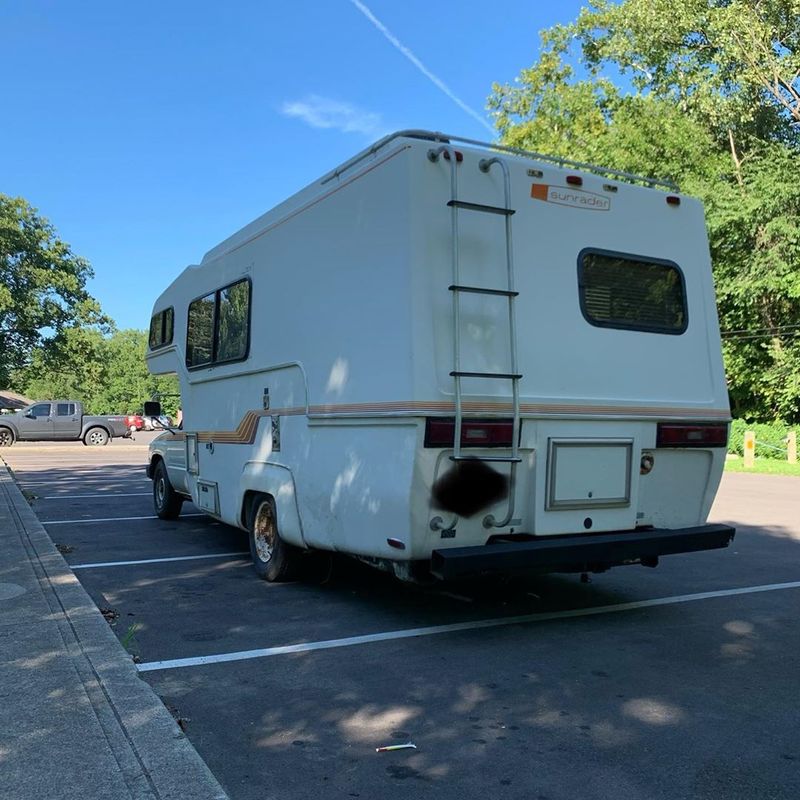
631, 292
200, 331
219, 326
234, 320
161, 328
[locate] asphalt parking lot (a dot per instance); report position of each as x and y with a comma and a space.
678, 682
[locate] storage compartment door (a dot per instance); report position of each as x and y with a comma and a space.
588, 473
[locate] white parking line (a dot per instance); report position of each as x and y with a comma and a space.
105, 519
435, 630
156, 560
93, 496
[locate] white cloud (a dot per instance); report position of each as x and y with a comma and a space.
323, 112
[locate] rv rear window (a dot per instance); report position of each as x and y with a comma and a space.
161, 328
631, 292
218, 328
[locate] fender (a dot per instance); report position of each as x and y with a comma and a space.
88, 425
276, 480
4, 423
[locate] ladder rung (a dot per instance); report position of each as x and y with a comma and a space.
501, 459
507, 212
479, 290
512, 376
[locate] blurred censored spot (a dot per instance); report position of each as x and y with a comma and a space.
469, 486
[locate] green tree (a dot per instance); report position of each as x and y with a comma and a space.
128, 384
705, 93
42, 285
71, 367
108, 374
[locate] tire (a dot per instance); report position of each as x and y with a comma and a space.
273, 559
166, 501
6, 437
95, 437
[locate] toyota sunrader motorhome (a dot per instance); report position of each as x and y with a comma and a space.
456, 358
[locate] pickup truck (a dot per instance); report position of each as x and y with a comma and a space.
59, 420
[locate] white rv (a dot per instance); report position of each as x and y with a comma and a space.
453, 358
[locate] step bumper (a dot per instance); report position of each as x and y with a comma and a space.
577, 552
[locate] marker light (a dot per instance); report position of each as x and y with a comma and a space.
673, 200
574, 180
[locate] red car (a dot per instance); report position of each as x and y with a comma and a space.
134, 422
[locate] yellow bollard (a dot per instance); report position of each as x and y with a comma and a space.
749, 449
791, 447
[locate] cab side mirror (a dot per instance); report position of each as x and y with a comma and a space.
152, 408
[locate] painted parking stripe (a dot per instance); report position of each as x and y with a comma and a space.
93, 496
98, 564
106, 519
435, 630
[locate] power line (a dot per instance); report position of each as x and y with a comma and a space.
773, 329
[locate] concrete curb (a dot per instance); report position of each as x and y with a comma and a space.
153, 754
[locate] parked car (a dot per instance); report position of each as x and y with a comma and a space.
135, 422
157, 423
60, 420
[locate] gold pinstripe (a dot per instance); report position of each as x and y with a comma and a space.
245, 432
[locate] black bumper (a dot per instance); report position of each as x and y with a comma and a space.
577, 553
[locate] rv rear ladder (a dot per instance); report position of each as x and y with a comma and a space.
508, 292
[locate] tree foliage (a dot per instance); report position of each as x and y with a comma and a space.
705, 93
108, 374
42, 285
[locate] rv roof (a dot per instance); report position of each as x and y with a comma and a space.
296, 200
436, 136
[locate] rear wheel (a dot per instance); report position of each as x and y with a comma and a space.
6, 437
274, 560
166, 500
95, 437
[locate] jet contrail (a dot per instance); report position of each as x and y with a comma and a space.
440, 84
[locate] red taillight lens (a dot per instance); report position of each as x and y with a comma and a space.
574, 180
700, 434
474, 432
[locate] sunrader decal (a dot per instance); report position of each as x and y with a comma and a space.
575, 198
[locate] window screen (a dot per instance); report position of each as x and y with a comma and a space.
161, 328
631, 292
234, 317
200, 331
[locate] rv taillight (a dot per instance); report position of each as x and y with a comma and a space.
574, 180
440, 432
701, 434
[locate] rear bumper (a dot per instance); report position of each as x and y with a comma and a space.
577, 553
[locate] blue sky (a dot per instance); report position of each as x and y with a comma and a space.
149, 132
